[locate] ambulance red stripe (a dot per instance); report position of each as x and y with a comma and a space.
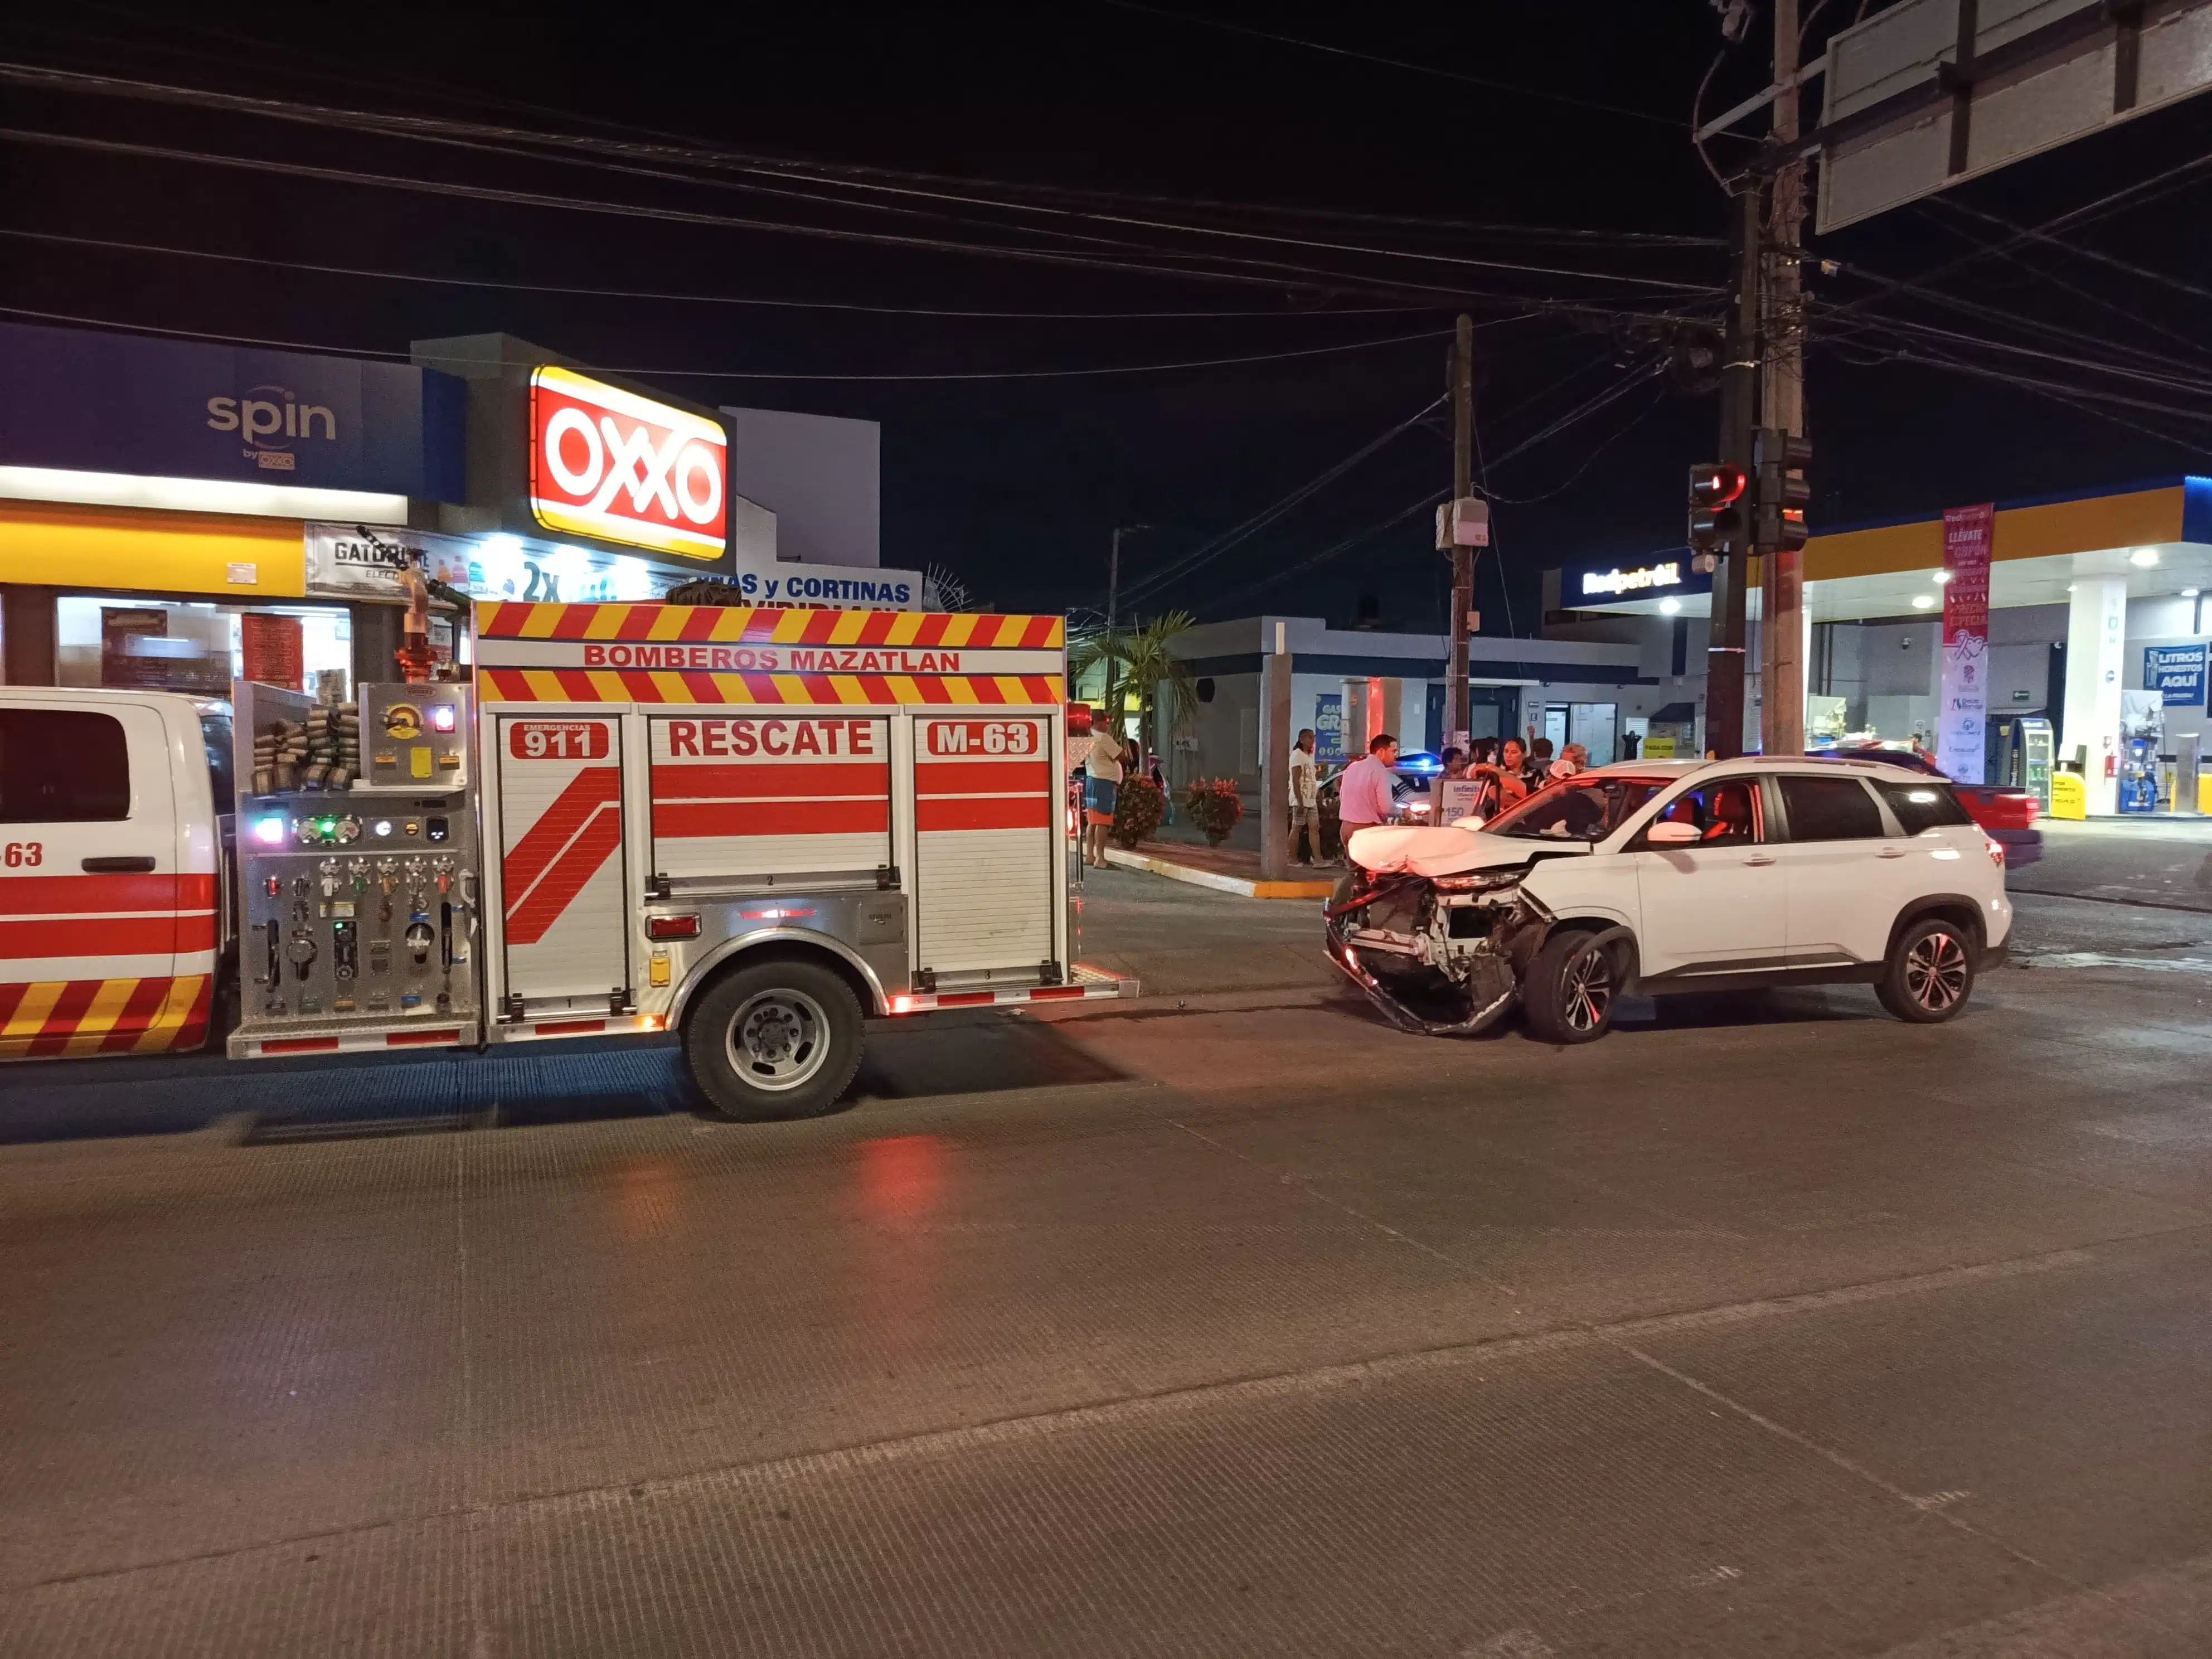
983, 812
104, 936
61, 895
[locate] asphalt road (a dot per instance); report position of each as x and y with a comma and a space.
2158, 861
1226, 1322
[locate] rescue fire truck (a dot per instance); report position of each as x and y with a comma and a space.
752, 828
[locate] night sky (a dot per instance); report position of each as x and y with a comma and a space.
1106, 114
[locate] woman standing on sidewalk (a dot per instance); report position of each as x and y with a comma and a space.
1102, 788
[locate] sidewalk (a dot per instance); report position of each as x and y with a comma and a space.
1224, 869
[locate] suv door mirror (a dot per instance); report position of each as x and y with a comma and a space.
1670, 833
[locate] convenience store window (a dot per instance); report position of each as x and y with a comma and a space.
198, 648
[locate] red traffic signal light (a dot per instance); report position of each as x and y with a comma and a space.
1714, 485
1715, 517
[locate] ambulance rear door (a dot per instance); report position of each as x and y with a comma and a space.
106, 940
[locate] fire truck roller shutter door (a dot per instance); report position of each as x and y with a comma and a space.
561, 867
771, 793
984, 816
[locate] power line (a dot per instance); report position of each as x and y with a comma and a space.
1326, 279
678, 146
2195, 347
473, 135
1460, 76
2029, 233
371, 273
1157, 580
756, 374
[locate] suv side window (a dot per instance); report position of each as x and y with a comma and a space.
62, 766
1923, 805
1726, 813
1830, 809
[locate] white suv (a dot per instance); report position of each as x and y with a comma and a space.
1664, 877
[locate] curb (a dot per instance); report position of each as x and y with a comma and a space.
1220, 884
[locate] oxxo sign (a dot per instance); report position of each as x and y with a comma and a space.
610, 465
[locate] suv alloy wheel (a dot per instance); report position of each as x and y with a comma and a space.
1930, 972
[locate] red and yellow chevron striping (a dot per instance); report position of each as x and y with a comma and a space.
810, 691
704, 624
52, 1017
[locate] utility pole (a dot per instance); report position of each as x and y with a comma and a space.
1781, 613
1459, 715
1739, 379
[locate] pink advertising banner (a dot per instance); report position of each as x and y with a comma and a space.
1962, 711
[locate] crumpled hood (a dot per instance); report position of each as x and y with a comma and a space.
1444, 850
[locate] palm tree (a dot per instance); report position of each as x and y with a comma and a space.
1139, 660
1159, 675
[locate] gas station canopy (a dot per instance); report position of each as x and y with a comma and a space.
2156, 536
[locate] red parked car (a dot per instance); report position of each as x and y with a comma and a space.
2006, 814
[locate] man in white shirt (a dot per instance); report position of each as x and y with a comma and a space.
1305, 783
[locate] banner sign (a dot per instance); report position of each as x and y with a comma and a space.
87, 402
1963, 716
1328, 729
2177, 673
351, 561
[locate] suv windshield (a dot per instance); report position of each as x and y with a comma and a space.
1577, 809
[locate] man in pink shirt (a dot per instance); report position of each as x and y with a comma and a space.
1363, 794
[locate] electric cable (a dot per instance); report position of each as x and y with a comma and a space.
1396, 62
1156, 581
676, 146
1278, 275
750, 374
474, 135
373, 274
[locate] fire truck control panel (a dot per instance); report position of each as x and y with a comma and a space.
360, 910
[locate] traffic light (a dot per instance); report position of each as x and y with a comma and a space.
1715, 510
1778, 502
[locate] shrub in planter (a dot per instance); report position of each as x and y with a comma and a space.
1139, 806
1215, 807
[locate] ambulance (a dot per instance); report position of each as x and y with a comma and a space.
754, 829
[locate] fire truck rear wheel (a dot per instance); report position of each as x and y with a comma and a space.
780, 1039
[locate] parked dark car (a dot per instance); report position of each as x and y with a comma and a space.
2006, 814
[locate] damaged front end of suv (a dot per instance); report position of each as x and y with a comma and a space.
1440, 955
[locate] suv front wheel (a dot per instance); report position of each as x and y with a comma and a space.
1571, 986
1930, 972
